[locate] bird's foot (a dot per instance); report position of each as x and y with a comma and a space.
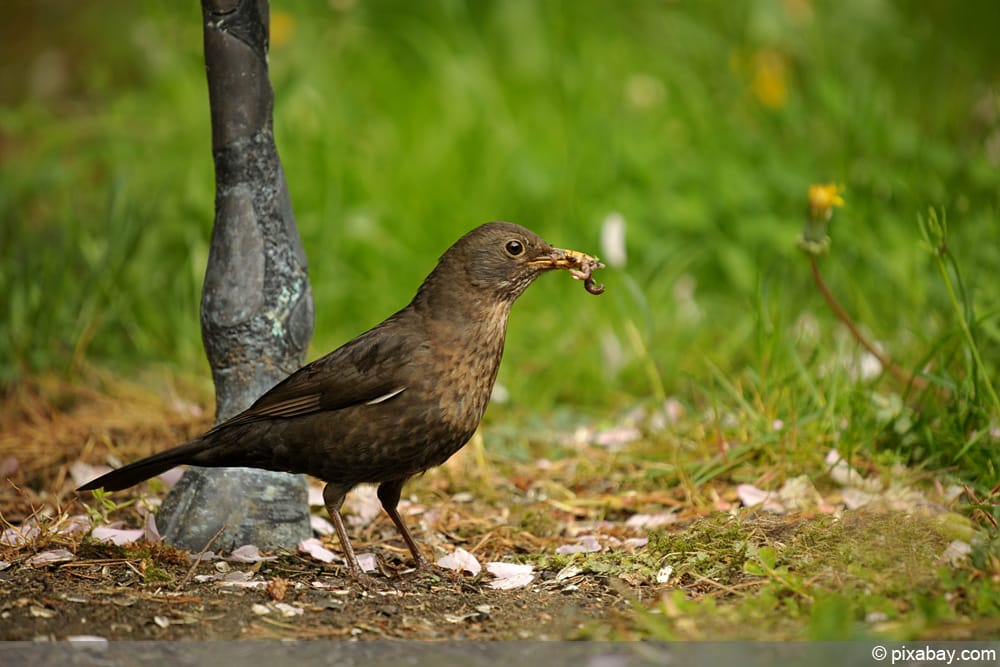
362, 579
423, 564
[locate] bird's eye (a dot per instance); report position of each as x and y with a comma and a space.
514, 248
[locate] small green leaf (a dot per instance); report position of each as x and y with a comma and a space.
768, 557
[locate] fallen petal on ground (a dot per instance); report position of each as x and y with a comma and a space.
460, 560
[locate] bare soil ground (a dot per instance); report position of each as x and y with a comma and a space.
151, 591
106, 597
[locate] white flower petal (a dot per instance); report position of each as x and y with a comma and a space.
510, 575
367, 562
51, 557
508, 583
320, 525
750, 495
117, 536
461, 560
248, 553
315, 548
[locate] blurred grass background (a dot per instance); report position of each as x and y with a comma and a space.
402, 125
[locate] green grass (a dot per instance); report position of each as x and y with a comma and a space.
747, 589
871, 575
402, 125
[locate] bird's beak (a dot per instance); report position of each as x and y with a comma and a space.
557, 258
580, 265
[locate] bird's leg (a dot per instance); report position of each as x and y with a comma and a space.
388, 493
333, 497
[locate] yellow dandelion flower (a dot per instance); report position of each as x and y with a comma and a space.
822, 200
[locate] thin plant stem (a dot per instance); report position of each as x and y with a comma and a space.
967, 332
888, 364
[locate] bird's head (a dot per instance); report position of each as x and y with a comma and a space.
499, 260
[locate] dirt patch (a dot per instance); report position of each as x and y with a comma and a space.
144, 591
291, 598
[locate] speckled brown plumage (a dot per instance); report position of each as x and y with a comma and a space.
398, 399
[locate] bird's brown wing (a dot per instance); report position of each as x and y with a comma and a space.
369, 369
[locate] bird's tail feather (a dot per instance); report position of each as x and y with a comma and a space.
143, 469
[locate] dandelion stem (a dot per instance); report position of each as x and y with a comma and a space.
888, 364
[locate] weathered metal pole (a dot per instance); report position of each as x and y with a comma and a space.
256, 308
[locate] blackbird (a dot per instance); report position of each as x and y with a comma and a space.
395, 401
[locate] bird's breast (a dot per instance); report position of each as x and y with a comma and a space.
468, 365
